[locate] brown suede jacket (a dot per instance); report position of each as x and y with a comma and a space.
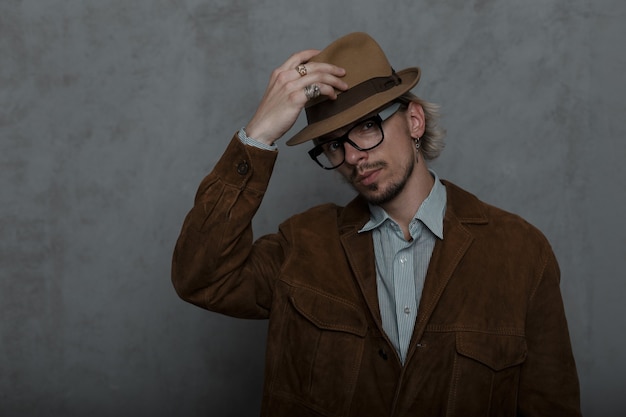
490, 339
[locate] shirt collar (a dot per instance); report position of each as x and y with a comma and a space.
430, 212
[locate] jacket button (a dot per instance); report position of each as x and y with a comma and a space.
382, 354
242, 168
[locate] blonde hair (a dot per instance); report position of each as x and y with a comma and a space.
432, 141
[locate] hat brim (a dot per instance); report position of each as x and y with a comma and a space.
409, 77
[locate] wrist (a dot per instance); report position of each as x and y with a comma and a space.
252, 141
256, 131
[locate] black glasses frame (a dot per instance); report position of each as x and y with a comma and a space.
318, 150
378, 119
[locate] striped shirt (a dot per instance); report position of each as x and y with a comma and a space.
401, 266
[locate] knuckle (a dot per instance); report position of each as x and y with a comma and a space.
276, 73
293, 95
282, 77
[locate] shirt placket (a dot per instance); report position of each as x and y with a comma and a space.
404, 291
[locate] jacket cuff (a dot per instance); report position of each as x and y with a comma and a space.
246, 166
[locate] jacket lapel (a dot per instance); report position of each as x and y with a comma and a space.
359, 250
461, 208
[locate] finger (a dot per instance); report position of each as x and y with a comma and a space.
288, 71
298, 58
321, 78
303, 95
327, 90
322, 67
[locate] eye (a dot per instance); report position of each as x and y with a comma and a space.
332, 146
365, 127
368, 125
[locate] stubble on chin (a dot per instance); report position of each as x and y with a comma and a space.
377, 197
373, 193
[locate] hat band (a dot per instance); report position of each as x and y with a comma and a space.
328, 108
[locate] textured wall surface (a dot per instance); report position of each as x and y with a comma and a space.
111, 111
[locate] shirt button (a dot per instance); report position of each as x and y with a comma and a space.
402, 260
242, 168
407, 310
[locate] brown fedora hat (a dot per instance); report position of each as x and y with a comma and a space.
371, 80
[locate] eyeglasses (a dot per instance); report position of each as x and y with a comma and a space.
364, 136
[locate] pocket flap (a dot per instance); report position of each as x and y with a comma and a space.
327, 312
494, 350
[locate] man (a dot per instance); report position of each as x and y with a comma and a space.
416, 299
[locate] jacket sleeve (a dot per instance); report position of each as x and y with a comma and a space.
548, 381
215, 264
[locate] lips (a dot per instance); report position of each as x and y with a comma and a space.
368, 177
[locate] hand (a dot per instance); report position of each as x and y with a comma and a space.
284, 97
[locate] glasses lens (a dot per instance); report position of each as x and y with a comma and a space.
331, 154
367, 135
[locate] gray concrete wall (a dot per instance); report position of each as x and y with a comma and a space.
111, 111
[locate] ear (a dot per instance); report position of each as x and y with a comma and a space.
416, 119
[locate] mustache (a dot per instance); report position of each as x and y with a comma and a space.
357, 171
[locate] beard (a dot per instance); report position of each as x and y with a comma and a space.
373, 192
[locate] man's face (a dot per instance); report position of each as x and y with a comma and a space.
380, 175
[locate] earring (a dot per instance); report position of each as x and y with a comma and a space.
417, 143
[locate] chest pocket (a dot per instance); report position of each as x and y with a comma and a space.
328, 313
493, 350
486, 373
323, 338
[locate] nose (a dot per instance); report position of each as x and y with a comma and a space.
352, 154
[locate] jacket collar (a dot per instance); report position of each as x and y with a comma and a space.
465, 207
430, 212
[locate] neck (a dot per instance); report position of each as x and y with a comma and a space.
402, 209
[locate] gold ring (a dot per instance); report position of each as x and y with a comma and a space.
301, 70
